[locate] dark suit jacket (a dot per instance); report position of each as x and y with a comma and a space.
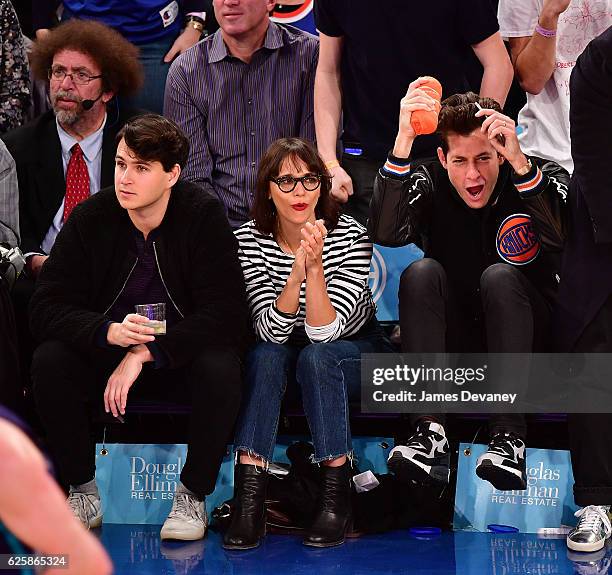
37, 152
587, 271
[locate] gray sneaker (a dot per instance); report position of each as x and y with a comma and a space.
187, 519
86, 507
184, 556
596, 563
592, 530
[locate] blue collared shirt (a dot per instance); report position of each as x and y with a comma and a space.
92, 152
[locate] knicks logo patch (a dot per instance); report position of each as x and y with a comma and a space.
517, 241
290, 15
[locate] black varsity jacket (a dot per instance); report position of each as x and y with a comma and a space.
522, 225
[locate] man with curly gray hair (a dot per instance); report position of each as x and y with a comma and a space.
67, 154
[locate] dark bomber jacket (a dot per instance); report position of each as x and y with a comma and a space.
587, 267
197, 257
523, 224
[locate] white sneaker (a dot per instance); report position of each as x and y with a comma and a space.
184, 556
187, 519
86, 507
592, 530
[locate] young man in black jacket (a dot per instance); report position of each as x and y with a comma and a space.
151, 239
489, 220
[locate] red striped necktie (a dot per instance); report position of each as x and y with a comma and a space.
77, 181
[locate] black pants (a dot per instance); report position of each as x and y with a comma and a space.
363, 173
20, 296
590, 433
68, 383
10, 384
516, 315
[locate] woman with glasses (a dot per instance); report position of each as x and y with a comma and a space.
306, 269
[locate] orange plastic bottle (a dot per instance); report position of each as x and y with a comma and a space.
422, 121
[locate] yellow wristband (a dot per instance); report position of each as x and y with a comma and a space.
332, 164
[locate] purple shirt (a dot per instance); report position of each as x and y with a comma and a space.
144, 284
232, 111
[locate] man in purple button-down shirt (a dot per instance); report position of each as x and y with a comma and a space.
236, 92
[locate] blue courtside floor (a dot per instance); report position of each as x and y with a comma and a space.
137, 549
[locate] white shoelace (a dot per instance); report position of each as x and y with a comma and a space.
82, 506
591, 517
186, 506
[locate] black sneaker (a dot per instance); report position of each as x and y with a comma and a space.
503, 463
425, 459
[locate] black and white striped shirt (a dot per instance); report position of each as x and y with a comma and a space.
347, 252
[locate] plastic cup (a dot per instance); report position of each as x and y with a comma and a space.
156, 312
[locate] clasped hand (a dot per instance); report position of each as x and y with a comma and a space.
309, 256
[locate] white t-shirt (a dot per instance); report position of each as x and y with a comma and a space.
545, 117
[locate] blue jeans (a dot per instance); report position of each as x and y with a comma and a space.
151, 95
327, 374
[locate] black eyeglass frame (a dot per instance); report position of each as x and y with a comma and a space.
51, 71
302, 179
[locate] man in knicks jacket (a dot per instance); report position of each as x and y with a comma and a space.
490, 221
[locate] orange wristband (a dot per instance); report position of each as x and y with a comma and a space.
332, 164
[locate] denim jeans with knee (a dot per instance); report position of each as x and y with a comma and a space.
151, 96
328, 374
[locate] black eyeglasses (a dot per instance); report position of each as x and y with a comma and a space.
79, 77
287, 184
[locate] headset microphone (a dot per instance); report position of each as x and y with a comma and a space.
88, 104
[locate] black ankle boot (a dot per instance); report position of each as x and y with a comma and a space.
248, 523
334, 507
